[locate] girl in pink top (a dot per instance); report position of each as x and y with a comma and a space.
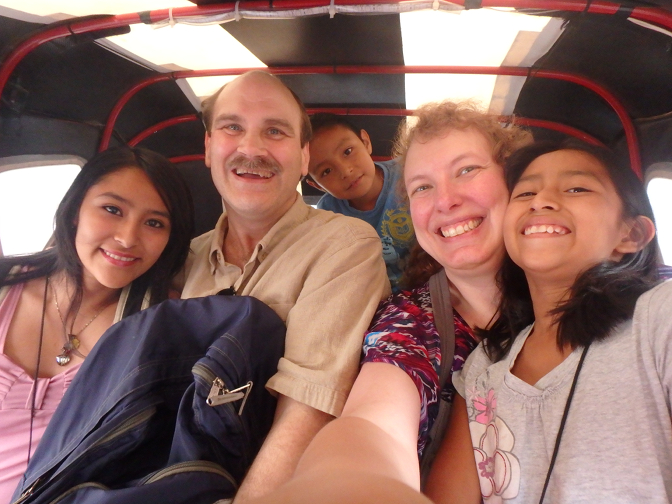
123, 226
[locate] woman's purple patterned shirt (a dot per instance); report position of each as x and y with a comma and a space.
403, 333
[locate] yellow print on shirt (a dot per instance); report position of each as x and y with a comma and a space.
396, 223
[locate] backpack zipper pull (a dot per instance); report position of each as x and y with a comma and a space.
219, 394
28, 491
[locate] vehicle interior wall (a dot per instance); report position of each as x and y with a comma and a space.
656, 141
633, 62
207, 202
61, 94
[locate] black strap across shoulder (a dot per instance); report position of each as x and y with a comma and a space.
439, 292
561, 429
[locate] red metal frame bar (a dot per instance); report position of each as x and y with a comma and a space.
159, 126
188, 157
562, 128
653, 15
523, 121
621, 112
361, 111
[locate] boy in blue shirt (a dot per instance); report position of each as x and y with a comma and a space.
341, 165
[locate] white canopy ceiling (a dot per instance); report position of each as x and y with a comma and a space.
480, 37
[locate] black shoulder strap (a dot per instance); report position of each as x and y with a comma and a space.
5, 268
4, 289
133, 301
443, 318
136, 296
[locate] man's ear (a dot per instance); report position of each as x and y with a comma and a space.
309, 180
366, 140
305, 159
637, 235
207, 149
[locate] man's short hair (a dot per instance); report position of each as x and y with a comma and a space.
208, 107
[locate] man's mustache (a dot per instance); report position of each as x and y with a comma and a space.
255, 163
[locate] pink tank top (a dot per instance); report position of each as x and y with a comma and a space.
16, 389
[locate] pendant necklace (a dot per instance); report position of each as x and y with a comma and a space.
72, 342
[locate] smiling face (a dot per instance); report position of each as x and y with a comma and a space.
565, 216
457, 199
341, 164
254, 149
122, 229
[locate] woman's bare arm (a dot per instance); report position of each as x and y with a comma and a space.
369, 454
453, 478
347, 486
377, 432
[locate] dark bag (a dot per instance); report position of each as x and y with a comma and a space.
439, 293
169, 407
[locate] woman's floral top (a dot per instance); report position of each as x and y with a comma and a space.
403, 333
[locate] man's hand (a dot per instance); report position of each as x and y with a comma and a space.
294, 427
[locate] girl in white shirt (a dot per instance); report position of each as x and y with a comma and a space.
568, 397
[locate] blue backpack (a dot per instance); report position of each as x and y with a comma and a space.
169, 407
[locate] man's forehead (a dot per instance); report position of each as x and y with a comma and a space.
257, 94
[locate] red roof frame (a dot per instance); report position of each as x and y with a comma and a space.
523, 121
652, 15
621, 112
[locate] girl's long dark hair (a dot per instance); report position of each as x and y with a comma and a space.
602, 296
63, 255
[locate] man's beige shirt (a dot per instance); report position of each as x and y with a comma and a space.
324, 275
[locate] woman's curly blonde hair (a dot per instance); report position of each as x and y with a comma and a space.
435, 120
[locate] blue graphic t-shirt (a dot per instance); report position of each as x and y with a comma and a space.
390, 218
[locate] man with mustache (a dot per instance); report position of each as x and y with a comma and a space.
322, 273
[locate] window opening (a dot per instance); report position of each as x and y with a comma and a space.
28, 201
659, 189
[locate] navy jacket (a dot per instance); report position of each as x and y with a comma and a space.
135, 425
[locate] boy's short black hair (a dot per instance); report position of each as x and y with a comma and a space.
323, 120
